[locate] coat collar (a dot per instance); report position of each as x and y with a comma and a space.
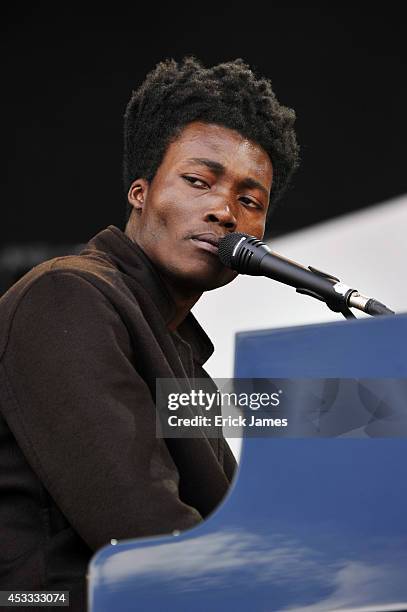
128, 257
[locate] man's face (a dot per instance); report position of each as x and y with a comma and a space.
211, 181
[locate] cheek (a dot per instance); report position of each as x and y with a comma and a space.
159, 216
170, 206
253, 226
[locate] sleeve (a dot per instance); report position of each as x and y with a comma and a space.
84, 417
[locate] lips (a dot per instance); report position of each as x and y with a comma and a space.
208, 242
211, 238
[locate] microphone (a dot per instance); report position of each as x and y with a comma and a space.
249, 255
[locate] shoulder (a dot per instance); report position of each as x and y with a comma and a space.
85, 290
56, 277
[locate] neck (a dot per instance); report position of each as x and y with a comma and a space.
183, 300
183, 304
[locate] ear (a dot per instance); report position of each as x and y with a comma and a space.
137, 194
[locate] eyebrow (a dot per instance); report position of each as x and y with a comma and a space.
219, 169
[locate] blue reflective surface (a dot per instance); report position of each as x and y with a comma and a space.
309, 524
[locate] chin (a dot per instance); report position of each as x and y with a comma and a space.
198, 275
200, 281
221, 282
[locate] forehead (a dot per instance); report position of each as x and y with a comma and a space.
223, 145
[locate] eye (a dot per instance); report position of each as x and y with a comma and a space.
193, 180
249, 203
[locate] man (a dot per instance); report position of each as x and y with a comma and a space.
84, 338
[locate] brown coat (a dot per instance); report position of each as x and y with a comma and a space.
82, 340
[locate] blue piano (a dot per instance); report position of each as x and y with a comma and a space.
311, 524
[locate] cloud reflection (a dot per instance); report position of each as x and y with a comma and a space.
209, 559
241, 559
360, 584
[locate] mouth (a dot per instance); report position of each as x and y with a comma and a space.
208, 242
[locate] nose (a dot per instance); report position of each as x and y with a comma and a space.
222, 214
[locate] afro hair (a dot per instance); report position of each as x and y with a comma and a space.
228, 94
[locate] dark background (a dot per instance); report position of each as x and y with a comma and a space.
68, 74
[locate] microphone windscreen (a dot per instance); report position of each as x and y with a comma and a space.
226, 246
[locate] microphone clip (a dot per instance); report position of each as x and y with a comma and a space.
337, 304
